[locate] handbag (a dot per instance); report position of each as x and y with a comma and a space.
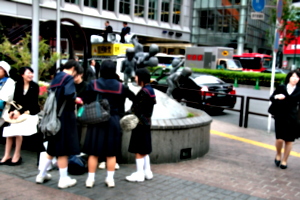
129, 122
95, 112
274, 107
21, 118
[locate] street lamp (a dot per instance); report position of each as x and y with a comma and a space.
296, 34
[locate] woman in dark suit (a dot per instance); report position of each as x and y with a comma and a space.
286, 98
26, 94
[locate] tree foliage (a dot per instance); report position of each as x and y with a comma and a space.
290, 21
20, 54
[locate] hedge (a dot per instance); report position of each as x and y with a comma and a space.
246, 78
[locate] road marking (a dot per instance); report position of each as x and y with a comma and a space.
260, 144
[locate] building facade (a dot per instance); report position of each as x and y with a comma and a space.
154, 21
228, 22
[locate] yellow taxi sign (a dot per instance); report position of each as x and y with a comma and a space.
110, 49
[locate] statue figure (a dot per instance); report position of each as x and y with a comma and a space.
128, 66
144, 59
176, 64
173, 79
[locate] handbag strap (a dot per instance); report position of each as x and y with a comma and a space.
99, 96
61, 108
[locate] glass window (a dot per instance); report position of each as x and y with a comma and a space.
152, 13
72, 1
108, 5
139, 8
207, 79
165, 11
176, 11
124, 7
91, 3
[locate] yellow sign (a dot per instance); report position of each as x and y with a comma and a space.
225, 53
113, 49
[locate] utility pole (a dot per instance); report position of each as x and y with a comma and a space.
58, 32
242, 21
35, 39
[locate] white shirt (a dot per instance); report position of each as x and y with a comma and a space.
290, 89
93, 67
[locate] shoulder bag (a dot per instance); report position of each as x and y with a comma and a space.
95, 112
21, 118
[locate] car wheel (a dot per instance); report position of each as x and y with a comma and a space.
214, 111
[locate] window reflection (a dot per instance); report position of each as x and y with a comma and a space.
176, 11
124, 7
152, 13
165, 11
139, 8
108, 5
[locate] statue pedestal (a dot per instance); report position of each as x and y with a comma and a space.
175, 140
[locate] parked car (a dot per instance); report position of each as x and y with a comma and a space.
277, 71
195, 91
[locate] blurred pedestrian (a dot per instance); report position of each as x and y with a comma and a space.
65, 142
7, 88
140, 141
125, 31
80, 86
108, 29
91, 71
286, 98
104, 139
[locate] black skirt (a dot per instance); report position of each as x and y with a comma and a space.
66, 141
104, 139
286, 127
140, 141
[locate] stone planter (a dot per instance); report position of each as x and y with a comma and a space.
175, 140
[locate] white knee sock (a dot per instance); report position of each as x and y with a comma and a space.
110, 174
44, 166
140, 165
91, 176
147, 166
63, 172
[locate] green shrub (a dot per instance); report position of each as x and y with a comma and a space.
246, 78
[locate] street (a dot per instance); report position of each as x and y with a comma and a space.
254, 121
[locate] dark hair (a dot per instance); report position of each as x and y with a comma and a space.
23, 69
90, 62
143, 75
108, 69
288, 76
13, 74
72, 63
107, 22
125, 23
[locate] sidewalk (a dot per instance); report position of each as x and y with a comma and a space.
232, 169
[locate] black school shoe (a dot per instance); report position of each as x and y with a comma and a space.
19, 162
7, 162
277, 162
283, 166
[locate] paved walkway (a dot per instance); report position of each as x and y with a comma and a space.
238, 166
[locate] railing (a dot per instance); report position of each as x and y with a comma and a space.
247, 112
241, 110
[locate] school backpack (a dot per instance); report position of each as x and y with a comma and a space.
77, 165
50, 124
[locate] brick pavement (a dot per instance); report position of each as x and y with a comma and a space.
231, 170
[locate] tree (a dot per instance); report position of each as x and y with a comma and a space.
290, 21
21, 56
